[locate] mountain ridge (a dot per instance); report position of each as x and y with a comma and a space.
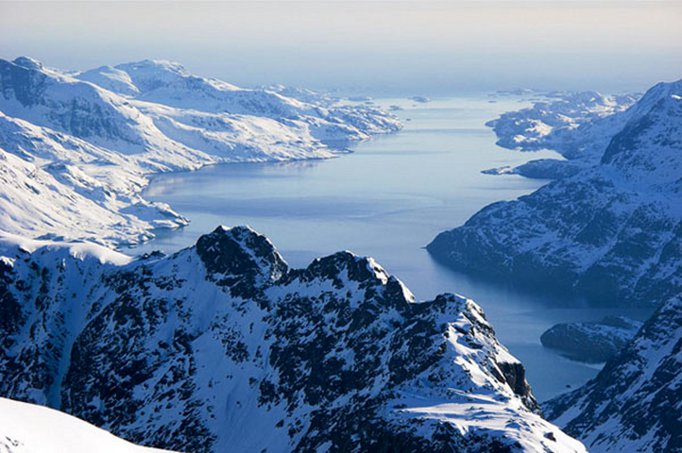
336, 355
611, 232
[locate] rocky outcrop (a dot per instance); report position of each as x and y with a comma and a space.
593, 342
635, 402
539, 169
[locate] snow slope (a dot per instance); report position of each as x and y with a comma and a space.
77, 148
58, 186
612, 232
27, 428
223, 347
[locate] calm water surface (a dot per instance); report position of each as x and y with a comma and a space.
388, 199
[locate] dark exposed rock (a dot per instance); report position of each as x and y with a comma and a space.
635, 402
539, 169
221, 347
591, 341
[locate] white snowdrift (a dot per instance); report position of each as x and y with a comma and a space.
28, 428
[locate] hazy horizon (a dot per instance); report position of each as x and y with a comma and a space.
381, 48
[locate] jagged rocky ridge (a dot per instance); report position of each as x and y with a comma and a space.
612, 232
635, 402
592, 342
223, 347
86, 142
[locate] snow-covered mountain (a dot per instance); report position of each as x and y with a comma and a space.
635, 403
223, 347
308, 113
611, 232
577, 125
28, 428
86, 142
562, 123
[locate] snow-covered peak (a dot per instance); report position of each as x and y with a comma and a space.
347, 268
240, 256
61, 102
28, 63
169, 83
154, 66
654, 95
150, 75
648, 149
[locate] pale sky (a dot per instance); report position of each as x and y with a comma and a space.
373, 47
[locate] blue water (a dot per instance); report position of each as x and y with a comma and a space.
388, 199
